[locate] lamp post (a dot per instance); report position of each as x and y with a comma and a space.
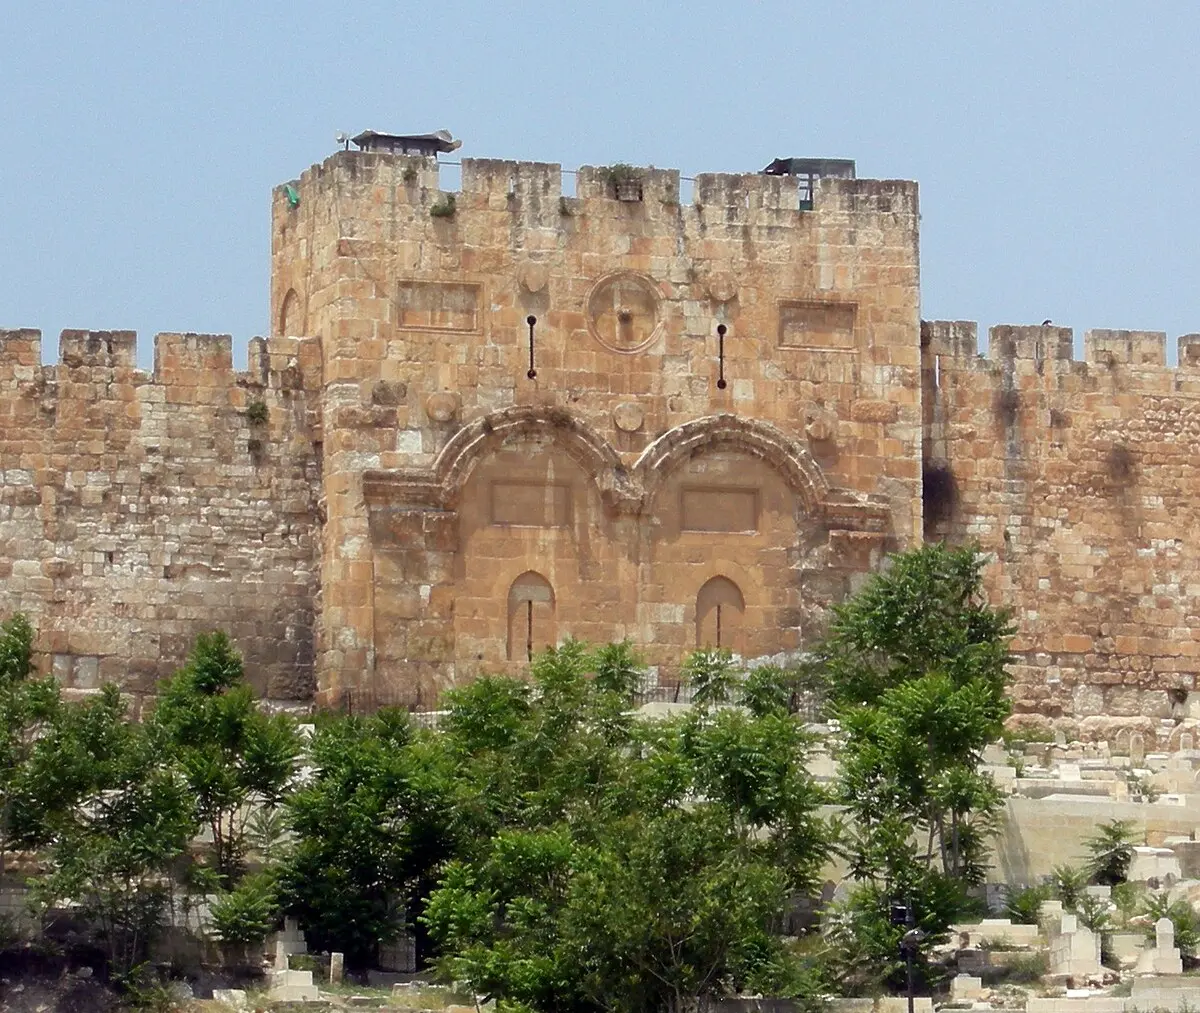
910, 942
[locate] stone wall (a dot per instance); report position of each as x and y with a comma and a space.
635, 484
1081, 479
731, 412
138, 509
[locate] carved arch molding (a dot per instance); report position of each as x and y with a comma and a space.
626, 490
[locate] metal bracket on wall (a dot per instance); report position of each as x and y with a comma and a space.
721, 384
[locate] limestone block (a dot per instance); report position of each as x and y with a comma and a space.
1049, 912
899, 1004
1127, 948
993, 931
1165, 992
1165, 957
1161, 864
851, 1005
1094, 1004
966, 986
293, 986
1074, 949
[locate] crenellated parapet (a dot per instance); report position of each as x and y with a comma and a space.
355, 188
182, 362
1129, 359
1079, 478
141, 507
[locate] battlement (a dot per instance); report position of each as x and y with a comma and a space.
1040, 347
180, 360
521, 185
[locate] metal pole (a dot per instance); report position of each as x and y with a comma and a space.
721, 357
531, 320
908, 960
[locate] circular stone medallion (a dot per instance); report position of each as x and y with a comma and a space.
721, 287
533, 276
628, 417
442, 406
623, 312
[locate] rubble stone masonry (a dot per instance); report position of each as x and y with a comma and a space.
1082, 480
731, 414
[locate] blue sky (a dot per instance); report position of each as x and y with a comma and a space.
1056, 144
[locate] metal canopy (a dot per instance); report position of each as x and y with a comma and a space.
439, 142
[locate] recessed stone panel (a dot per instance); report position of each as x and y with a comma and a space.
437, 306
531, 505
724, 510
824, 326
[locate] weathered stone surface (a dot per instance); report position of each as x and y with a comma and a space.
619, 491
394, 504
151, 518
1080, 478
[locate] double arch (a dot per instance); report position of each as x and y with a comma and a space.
628, 490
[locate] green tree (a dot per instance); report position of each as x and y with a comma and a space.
1182, 915
371, 826
1022, 906
793, 688
712, 675
26, 706
248, 912
1068, 883
234, 758
915, 666
114, 849
626, 864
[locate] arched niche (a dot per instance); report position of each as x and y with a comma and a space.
531, 624
291, 314
720, 611
732, 433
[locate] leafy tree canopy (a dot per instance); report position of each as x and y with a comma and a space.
916, 667
628, 863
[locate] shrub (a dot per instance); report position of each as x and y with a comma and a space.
1067, 883
445, 208
1022, 906
1111, 850
248, 912
1183, 916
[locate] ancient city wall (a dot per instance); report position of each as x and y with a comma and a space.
405, 500
138, 509
1083, 480
603, 494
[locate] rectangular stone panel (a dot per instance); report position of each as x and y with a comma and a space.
531, 504
818, 325
437, 306
726, 510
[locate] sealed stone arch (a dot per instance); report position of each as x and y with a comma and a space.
594, 454
720, 609
756, 439
291, 315
531, 625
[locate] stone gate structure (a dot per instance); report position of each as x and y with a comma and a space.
489, 419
